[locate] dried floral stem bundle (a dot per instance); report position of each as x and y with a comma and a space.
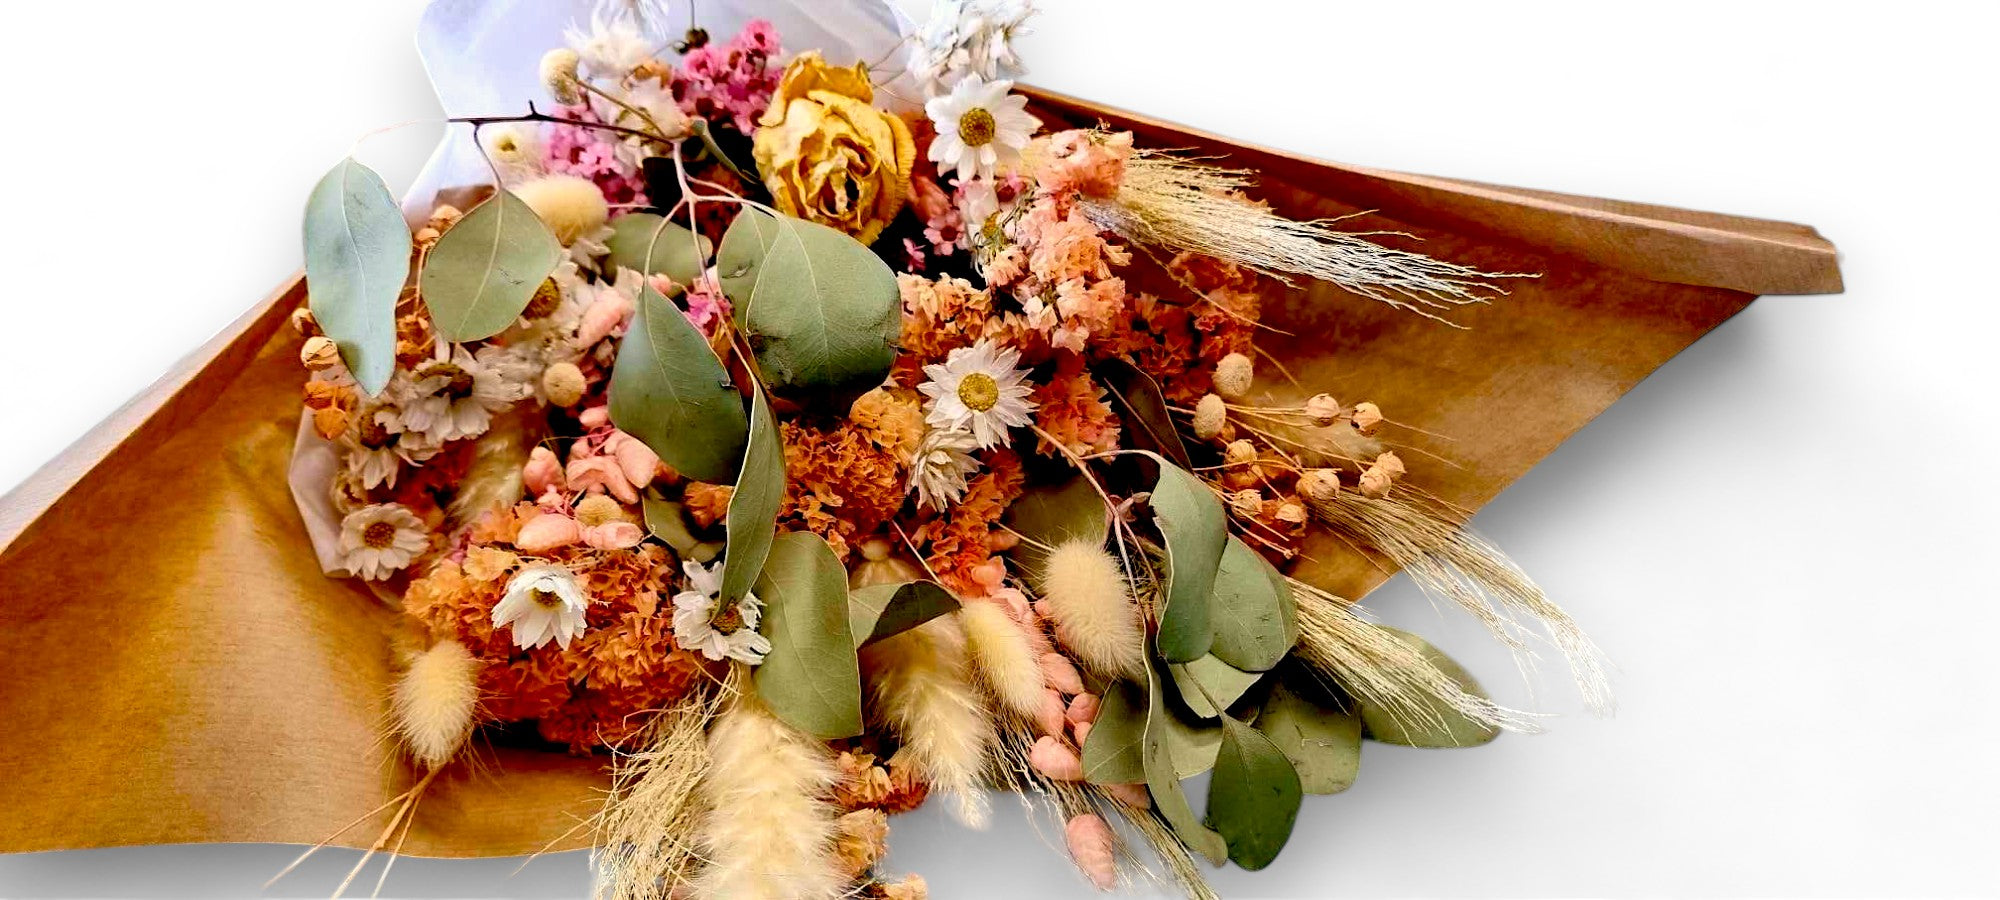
1184, 205
1448, 561
646, 832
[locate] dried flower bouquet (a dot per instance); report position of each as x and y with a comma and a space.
806, 454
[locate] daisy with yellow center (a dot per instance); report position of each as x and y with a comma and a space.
980, 127
978, 390
543, 603
378, 541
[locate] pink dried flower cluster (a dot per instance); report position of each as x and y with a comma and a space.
731, 82
593, 153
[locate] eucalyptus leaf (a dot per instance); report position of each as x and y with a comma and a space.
1196, 529
1252, 611
1439, 725
1050, 515
1114, 751
484, 271
357, 250
650, 244
753, 506
1324, 744
1210, 686
1143, 408
666, 520
885, 610
810, 678
669, 390
1253, 797
1163, 781
821, 309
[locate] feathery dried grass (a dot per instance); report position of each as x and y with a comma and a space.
1181, 204
1448, 561
1380, 669
646, 829
434, 702
494, 477
1085, 597
768, 829
920, 685
1004, 657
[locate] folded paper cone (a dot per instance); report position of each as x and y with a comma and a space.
182, 671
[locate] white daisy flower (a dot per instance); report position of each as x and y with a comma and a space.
379, 446
939, 468
697, 626
543, 603
457, 399
980, 126
978, 389
620, 37
379, 540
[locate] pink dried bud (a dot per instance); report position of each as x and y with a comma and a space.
546, 532
1246, 503
1054, 760
1092, 848
1049, 716
1080, 731
1233, 376
1083, 708
1209, 416
1367, 417
1061, 673
1319, 485
1323, 409
543, 473
319, 353
637, 461
302, 321
1132, 795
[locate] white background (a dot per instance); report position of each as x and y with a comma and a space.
1781, 538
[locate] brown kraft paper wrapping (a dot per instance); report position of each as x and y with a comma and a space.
179, 670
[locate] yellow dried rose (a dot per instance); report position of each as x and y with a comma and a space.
829, 156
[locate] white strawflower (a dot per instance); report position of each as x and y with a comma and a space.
619, 39
543, 603
980, 126
379, 540
697, 626
457, 399
940, 466
978, 389
968, 37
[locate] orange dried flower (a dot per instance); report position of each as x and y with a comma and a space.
892, 417
1071, 408
839, 483
707, 503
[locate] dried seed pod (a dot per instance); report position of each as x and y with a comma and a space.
1319, 485
1367, 417
1246, 503
1323, 409
1210, 416
319, 353
303, 323
563, 384
1233, 376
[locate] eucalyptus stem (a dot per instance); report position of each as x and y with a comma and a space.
535, 115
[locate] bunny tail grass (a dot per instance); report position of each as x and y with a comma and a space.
1379, 668
646, 830
1183, 205
1448, 561
920, 684
768, 828
494, 478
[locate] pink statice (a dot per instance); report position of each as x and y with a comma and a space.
593, 153
731, 82
915, 252
707, 308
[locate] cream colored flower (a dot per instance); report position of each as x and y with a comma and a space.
378, 447
828, 155
939, 468
379, 540
543, 603
515, 149
457, 399
559, 75
729, 635
980, 127
978, 389
619, 38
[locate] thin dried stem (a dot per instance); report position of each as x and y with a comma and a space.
646, 830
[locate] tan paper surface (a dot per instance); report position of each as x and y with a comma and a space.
178, 670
